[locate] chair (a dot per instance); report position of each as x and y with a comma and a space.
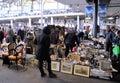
8, 50
11, 47
16, 54
5, 54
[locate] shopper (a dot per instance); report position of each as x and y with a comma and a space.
29, 40
4, 31
70, 41
81, 35
55, 35
42, 51
21, 33
116, 59
117, 38
86, 33
113, 30
114, 33
1, 35
109, 39
10, 35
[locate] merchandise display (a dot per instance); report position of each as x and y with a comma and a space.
88, 58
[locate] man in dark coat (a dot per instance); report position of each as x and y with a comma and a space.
70, 41
42, 51
21, 33
109, 39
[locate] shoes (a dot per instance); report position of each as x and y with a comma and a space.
43, 75
52, 75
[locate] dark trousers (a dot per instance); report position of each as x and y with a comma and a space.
41, 64
109, 48
1, 41
68, 46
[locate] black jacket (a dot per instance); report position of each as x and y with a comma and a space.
1, 35
70, 39
109, 36
42, 45
21, 33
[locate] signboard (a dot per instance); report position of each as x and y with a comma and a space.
89, 12
102, 10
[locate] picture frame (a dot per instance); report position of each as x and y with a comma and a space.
81, 70
66, 68
105, 65
55, 65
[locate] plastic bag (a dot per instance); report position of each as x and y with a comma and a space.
116, 50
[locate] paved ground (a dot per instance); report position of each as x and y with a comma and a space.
32, 75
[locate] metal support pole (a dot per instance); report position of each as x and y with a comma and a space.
42, 5
11, 22
29, 24
22, 6
51, 20
95, 18
58, 9
57, 6
78, 22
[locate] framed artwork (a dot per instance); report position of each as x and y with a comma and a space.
82, 70
66, 68
105, 65
55, 65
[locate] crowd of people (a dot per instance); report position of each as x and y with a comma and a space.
70, 37
39, 41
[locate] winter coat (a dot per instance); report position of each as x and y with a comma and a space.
1, 35
10, 33
21, 33
109, 37
70, 39
42, 42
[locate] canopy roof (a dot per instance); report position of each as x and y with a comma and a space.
113, 6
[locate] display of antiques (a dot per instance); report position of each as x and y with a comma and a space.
88, 57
